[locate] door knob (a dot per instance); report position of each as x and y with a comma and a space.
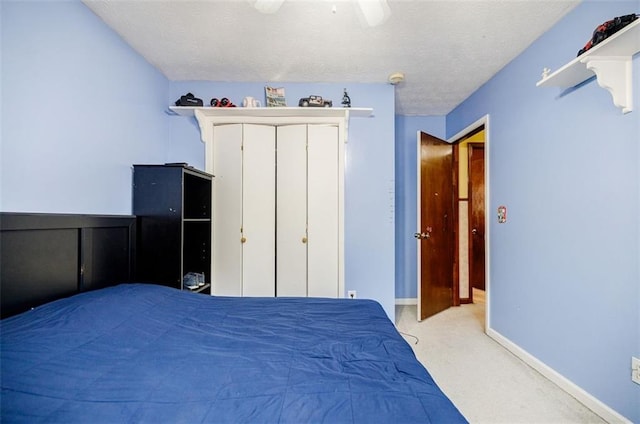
304, 239
474, 231
421, 236
243, 239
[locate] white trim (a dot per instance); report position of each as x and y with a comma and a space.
272, 112
206, 116
487, 207
604, 411
408, 301
207, 119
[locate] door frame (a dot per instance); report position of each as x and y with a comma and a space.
484, 121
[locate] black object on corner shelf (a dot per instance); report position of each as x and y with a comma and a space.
172, 204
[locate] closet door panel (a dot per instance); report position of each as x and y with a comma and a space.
258, 210
323, 213
227, 210
291, 169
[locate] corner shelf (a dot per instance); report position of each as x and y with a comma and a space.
610, 61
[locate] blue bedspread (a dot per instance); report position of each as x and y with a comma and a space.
144, 353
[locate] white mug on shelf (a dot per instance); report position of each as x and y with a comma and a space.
250, 102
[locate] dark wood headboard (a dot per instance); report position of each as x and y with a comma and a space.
45, 257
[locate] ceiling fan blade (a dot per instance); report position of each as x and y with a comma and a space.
375, 11
268, 6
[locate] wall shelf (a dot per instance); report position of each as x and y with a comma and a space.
611, 63
209, 116
272, 111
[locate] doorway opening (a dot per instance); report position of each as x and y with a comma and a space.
473, 205
471, 213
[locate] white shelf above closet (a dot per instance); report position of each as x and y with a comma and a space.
272, 112
611, 63
208, 116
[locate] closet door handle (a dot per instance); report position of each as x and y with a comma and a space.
304, 239
243, 239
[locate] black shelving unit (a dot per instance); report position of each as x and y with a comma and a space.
172, 204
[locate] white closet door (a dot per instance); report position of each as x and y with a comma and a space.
258, 210
227, 210
291, 169
323, 191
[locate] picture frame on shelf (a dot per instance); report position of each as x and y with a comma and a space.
275, 97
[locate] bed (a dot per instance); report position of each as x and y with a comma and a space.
134, 352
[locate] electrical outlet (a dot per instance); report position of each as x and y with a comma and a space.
635, 370
351, 294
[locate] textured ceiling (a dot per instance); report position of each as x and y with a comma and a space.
446, 49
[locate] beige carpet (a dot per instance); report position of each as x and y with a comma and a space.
486, 382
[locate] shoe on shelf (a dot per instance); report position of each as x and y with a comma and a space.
190, 281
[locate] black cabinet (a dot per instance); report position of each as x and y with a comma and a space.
172, 204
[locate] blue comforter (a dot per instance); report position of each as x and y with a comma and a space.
145, 353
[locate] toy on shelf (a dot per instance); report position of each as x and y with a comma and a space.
314, 101
346, 100
223, 102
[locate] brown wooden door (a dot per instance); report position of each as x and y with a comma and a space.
436, 230
476, 216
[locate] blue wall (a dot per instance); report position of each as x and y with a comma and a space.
78, 108
565, 276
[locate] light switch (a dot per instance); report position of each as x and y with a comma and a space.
502, 214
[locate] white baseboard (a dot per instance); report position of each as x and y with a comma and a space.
565, 384
407, 301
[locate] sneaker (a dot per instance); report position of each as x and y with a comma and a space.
190, 281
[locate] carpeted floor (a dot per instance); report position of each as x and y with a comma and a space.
486, 382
